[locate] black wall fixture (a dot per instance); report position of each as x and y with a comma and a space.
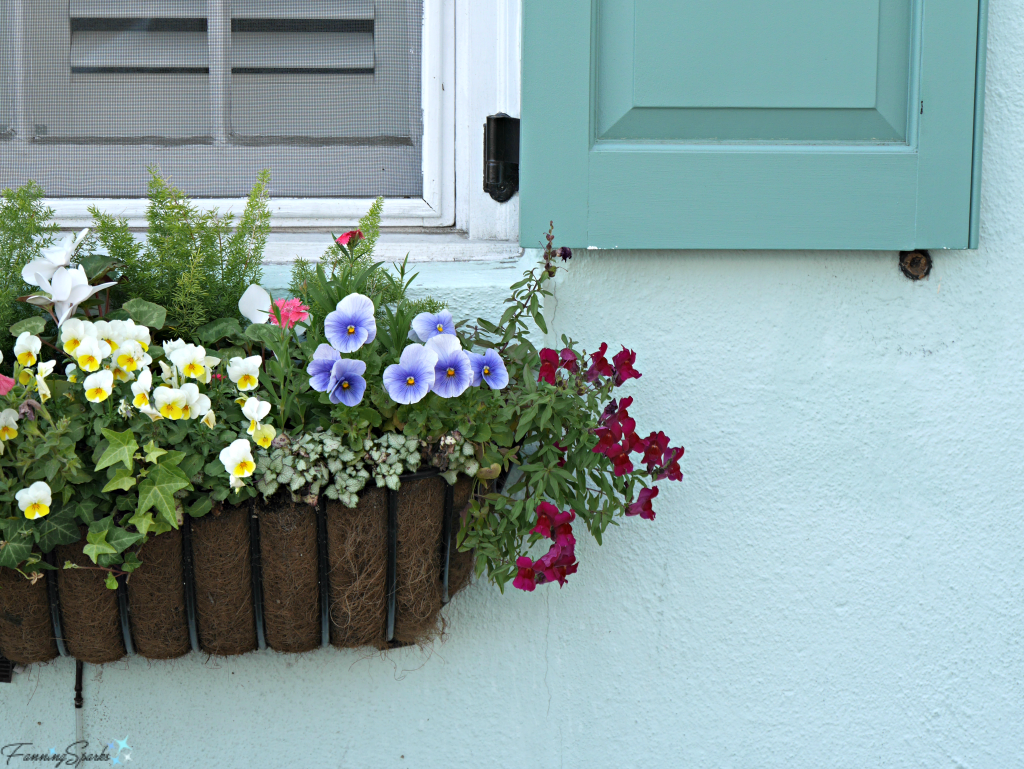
501, 156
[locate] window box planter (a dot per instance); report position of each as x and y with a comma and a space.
240, 603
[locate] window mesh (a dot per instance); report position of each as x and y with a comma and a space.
324, 93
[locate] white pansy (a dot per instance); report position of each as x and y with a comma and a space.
190, 361
210, 362
8, 424
139, 333
98, 386
91, 353
255, 304
26, 348
44, 370
210, 420
170, 402
171, 346
255, 411
150, 412
141, 389
110, 332
73, 332
130, 356
41, 270
237, 459
35, 501
264, 435
70, 371
245, 372
196, 404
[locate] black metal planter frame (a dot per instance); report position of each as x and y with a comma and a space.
188, 568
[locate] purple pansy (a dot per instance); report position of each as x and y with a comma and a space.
409, 380
427, 325
319, 368
453, 373
352, 324
489, 368
346, 384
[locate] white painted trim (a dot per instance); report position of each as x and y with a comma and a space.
283, 248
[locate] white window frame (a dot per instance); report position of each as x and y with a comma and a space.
470, 69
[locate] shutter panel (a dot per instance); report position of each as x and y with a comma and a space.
750, 124
324, 93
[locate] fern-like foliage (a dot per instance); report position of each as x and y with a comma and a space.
195, 263
340, 268
26, 226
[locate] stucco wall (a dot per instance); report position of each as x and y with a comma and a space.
837, 583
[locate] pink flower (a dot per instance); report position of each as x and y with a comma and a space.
292, 311
642, 506
346, 238
624, 366
549, 362
526, 578
599, 365
568, 360
6, 383
557, 564
546, 514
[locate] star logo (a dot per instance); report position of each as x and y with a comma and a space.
123, 745
114, 761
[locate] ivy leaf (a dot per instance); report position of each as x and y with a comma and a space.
84, 511
146, 313
97, 545
131, 562
153, 453
34, 325
121, 540
158, 491
191, 464
121, 448
14, 551
122, 481
57, 529
143, 522
172, 459
110, 582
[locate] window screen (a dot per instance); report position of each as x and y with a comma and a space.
324, 93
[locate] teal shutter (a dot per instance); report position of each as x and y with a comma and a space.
803, 124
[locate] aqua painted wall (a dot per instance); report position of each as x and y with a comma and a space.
839, 582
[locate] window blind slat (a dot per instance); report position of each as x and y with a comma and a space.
302, 9
138, 51
135, 9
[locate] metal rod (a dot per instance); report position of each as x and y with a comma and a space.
79, 702
392, 576
257, 574
122, 605
323, 574
190, 586
51, 588
446, 538
218, 39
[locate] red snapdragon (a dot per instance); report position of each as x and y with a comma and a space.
560, 560
642, 506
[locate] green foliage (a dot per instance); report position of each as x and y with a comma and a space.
344, 269
25, 228
193, 262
